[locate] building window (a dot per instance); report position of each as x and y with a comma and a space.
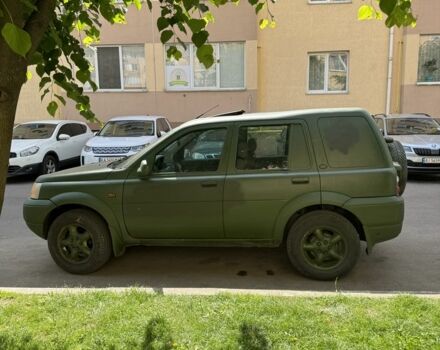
328, 1
429, 59
328, 72
117, 67
189, 74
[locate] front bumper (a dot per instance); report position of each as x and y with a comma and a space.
16, 170
381, 218
91, 158
35, 213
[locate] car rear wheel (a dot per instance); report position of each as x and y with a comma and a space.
49, 165
398, 155
323, 245
79, 241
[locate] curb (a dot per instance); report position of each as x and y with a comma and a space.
216, 291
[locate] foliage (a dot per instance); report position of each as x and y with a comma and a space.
398, 12
136, 320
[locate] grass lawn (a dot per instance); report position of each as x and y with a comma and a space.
139, 320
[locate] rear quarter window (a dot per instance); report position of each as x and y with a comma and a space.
350, 142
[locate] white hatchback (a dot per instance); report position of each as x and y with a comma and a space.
45, 146
122, 137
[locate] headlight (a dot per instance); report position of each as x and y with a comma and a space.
138, 148
87, 149
29, 151
407, 149
35, 192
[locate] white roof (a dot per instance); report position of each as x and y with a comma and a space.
136, 117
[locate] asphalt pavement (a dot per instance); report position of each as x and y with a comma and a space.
409, 263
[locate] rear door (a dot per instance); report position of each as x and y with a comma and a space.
271, 164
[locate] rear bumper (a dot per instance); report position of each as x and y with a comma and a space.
381, 218
35, 212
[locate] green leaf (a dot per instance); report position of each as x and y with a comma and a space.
18, 40
387, 6
196, 25
162, 23
200, 38
365, 12
205, 55
44, 81
166, 35
259, 7
83, 75
52, 108
61, 99
138, 4
263, 23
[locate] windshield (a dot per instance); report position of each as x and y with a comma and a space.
33, 131
127, 128
412, 126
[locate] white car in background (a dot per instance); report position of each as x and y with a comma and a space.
43, 147
122, 137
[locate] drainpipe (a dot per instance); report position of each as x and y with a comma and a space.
390, 70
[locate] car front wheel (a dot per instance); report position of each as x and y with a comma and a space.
79, 241
49, 165
323, 245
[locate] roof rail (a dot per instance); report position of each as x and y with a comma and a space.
379, 114
421, 113
226, 114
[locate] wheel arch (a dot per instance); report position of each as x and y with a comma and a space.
337, 209
92, 204
52, 153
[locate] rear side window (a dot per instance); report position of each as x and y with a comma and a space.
262, 147
349, 142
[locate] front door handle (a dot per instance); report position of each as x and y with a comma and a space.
300, 180
209, 184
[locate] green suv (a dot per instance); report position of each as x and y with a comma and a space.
315, 181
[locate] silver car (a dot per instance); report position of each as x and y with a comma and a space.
420, 137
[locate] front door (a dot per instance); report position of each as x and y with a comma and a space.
272, 166
182, 198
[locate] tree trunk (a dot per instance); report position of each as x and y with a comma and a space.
13, 75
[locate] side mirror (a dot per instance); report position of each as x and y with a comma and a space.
388, 139
382, 132
63, 137
143, 170
162, 133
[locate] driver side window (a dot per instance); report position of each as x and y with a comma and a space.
197, 151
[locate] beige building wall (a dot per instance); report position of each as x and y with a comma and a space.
233, 23
30, 107
303, 28
420, 97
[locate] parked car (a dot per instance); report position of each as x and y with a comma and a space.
319, 181
46, 146
420, 137
121, 137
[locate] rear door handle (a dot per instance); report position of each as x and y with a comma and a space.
209, 184
300, 180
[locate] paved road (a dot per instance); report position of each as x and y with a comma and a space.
410, 263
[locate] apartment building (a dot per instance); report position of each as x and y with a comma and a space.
421, 61
135, 77
321, 55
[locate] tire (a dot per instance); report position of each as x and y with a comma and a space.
49, 164
398, 155
310, 249
79, 241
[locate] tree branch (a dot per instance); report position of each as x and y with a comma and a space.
38, 22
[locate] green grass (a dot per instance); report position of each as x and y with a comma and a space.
139, 320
